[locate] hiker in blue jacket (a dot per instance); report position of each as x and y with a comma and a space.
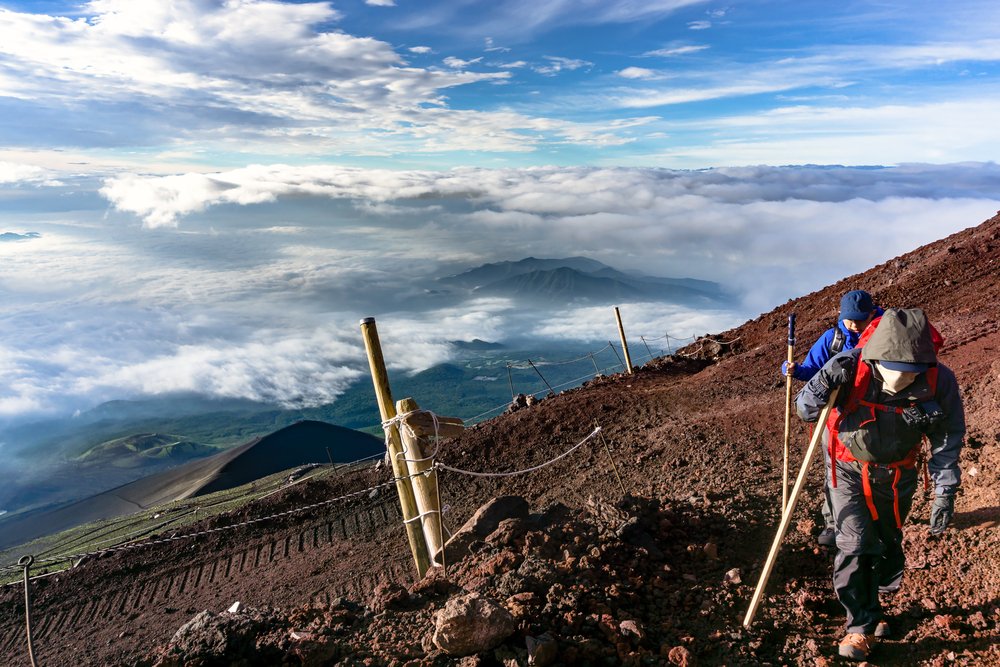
857, 310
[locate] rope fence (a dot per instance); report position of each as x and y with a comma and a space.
210, 531
598, 370
399, 421
569, 451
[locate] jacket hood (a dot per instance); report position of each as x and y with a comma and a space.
903, 335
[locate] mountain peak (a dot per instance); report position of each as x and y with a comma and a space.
580, 279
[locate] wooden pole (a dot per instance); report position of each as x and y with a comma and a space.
621, 332
415, 435
407, 502
788, 410
786, 516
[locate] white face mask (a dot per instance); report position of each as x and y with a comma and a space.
894, 382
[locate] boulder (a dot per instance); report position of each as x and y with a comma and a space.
210, 638
471, 624
486, 520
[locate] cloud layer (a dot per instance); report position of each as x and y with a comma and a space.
250, 282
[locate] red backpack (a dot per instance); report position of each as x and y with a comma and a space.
855, 400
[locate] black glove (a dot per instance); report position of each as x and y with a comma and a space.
942, 509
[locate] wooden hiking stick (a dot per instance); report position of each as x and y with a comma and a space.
788, 409
786, 516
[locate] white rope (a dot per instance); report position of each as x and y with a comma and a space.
400, 420
421, 516
174, 538
526, 470
520, 365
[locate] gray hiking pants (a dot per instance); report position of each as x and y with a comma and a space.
870, 556
828, 520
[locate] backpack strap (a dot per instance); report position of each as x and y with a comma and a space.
837, 344
855, 399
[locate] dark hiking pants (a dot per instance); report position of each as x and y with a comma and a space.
828, 520
870, 555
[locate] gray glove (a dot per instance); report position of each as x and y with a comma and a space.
942, 509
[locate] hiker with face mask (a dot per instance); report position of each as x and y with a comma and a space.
857, 310
893, 394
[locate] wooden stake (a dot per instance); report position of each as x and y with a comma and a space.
407, 502
418, 426
788, 411
786, 516
621, 332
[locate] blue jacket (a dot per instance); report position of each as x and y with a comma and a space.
820, 353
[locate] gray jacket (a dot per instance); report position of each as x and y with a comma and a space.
889, 430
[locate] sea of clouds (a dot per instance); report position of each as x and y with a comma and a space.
250, 283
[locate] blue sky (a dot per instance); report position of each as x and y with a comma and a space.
206, 195
169, 86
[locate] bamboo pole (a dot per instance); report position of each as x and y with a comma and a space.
621, 332
26, 562
786, 516
788, 410
415, 434
407, 502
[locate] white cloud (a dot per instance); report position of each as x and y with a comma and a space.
458, 63
420, 49
14, 173
558, 64
699, 25
888, 134
274, 367
640, 320
490, 47
636, 73
677, 50
256, 76
381, 3
516, 19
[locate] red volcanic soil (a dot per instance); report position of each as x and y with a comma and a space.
661, 576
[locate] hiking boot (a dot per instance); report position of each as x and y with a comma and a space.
827, 537
855, 646
883, 629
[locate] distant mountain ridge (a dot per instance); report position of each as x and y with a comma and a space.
581, 279
301, 443
490, 273
137, 450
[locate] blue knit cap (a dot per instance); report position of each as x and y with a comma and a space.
856, 305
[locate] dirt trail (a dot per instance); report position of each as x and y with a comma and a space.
698, 443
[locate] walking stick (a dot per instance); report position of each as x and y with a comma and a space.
788, 409
786, 516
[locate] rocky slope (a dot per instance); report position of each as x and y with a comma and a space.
581, 573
